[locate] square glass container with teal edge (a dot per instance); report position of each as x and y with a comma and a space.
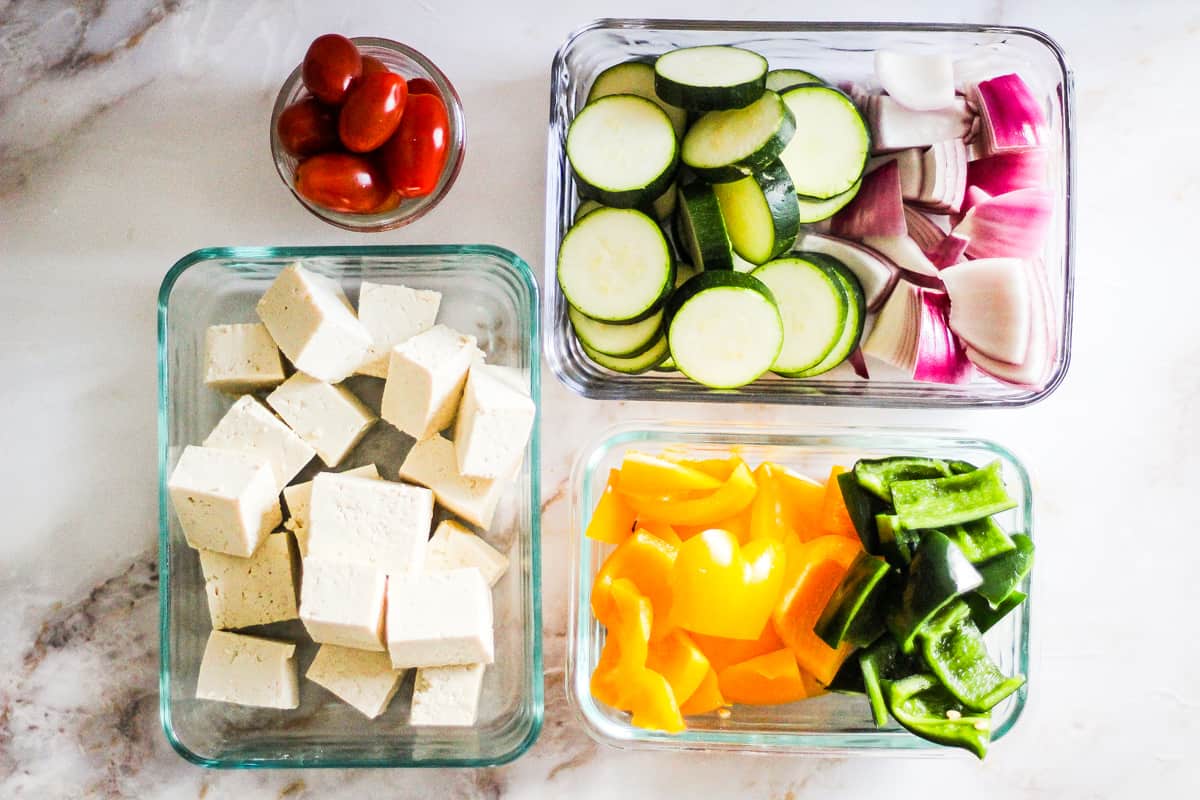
487, 292
831, 724
838, 52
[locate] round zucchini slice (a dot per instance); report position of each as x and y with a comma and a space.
710, 77
636, 78
761, 213
829, 152
623, 151
657, 354
812, 304
624, 341
780, 80
702, 228
729, 145
817, 210
856, 316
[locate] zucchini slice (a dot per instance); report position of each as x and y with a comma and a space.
829, 152
780, 80
623, 151
624, 341
761, 213
724, 329
817, 210
813, 305
702, 230
615, 266
856, 316
729, 145
636, 78
710, 78
664, 205
658, 352
585, 208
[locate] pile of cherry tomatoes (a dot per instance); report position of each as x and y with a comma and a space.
366, 138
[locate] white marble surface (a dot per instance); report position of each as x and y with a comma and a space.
134, 132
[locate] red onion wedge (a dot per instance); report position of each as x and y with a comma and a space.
1012, 225
1007, 172
1043, 344
991, 305
945, 176
893, 340
941, 357
1012, 117
951, 250
877, 209
920, 82
912, 170
904, 252
859, 363
974, 197
895, 127
876, 273
924, 231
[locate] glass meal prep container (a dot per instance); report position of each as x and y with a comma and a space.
832, 723
837, 52
487, 292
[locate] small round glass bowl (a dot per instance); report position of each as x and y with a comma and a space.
405, 61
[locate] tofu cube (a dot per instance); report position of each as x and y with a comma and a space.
342, 603
494, 422
328, 417
438, 619
432, 463
425, 380
381, 523
455, 547
241, 358
299, 499
447, 695
248, 427
226, 501
393, 314
364, 679
249, 671
257, 590
314, 324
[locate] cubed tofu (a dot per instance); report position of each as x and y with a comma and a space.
330, 418
455, 547
314, 324
381, 523
257, 590
494, 422
447, 695
241, 358
364, 679
298, 497
437, 619
425, 380
249, 671
226, 501
432, 463
248, 427
393, 314
342, 603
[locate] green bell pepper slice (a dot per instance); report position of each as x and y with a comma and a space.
984, 616
923, 706
961, 467
939, 574
954, 650
896, 543
980, 539
849, 679
853, 612
877, 475
939, 502
862, 507
878, 664
1004, 573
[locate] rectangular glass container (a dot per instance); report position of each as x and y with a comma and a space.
487, 292
841, 51
826, 725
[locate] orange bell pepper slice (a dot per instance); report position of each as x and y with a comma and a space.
719, 468
733, 496
646, 561
649, 475
812, 686
722, 652
660, 529
835, 519
612, 520
626, 647
768, 516
770, 679
707, 696
654, 706
825, 562
802, 500
723, 589
680, 661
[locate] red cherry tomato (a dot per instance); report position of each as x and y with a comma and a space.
307, 127
342, 182
372, 111
415, 156
422, 86
371, 65
330, 66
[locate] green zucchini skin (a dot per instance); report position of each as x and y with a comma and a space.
589, 186
779, 193
633, 365
699, 97
700, 212
856, 316
766, 151
711, 280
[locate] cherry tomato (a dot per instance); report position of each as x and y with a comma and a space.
342, 182
330, 66
372, 111
422, 86
308, 127
415, 156
371, 65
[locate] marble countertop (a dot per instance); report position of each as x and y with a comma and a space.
134, 132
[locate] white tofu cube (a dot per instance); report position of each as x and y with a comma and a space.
437, 619
393, 314
314, 324
494, 422
364, 679
342, 603
381, 523
241, 358
328, 417
226, 501
299, 499
447, 695
455, 547
432, 463
248, 427
425, 380
249, 671
251, 591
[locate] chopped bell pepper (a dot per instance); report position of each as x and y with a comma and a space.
1004, 573
738, 525
812, 686
723, 589
980, 539
939, 573
645, 560
768, 516
660, 529
647, 474
882, 662
925, 708
896, 543
769, 679
825, 561
954, 650
802, 499
733, 496
835, 519
854, 613
680, 661
612, 519
722, 652
707, 696
849, 679
719, 468
623, 660
862, 506
877, 475
654, 705
938, 502
984, 616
